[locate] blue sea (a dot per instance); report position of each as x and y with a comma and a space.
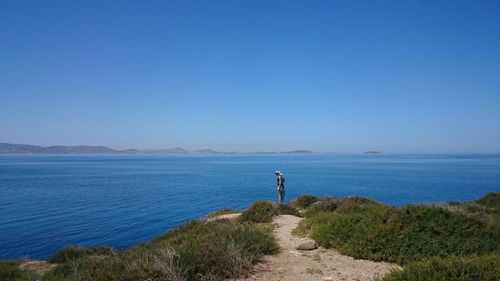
52, 201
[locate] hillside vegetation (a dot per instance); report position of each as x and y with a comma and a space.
459, 239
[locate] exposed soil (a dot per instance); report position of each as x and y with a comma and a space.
38, 268
225, 217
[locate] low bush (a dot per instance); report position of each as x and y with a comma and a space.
194, 251
490, 200
355, 204
175, 233
304, 201
306, 225
480, 268
327, 204
75, 252
486, 209
223, 250
286, 209
10, 271
326, 210
350, 233
259, 212
406, 234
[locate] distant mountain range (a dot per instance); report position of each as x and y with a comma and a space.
8, 148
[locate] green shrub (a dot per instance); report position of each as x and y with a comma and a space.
407, 234
325, 205
194, 251
259, 212
486, 209
351, 204
490, 200
351, 233
481, 268
10, 271
75, 252
222, 249
176, 233
65, 271
306, 225
286, 209
491, 203
355, 204
304, 201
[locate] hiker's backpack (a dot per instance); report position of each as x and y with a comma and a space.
282, 178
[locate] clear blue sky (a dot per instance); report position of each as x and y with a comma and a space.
337, 76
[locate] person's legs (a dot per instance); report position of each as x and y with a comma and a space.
280, 196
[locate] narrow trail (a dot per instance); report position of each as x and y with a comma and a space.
319, 264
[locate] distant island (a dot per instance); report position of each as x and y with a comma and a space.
373, 152
284, 152
9, 148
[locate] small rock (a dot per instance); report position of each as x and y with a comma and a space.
307, 246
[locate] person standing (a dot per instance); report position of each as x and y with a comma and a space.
280, 186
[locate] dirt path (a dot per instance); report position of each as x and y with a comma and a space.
37, 268
319, 264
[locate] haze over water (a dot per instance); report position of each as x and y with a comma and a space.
49, 202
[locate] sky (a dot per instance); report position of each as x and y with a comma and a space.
328, 76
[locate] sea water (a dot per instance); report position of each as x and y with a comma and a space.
52, 201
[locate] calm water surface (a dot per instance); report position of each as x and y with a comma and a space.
48, 202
